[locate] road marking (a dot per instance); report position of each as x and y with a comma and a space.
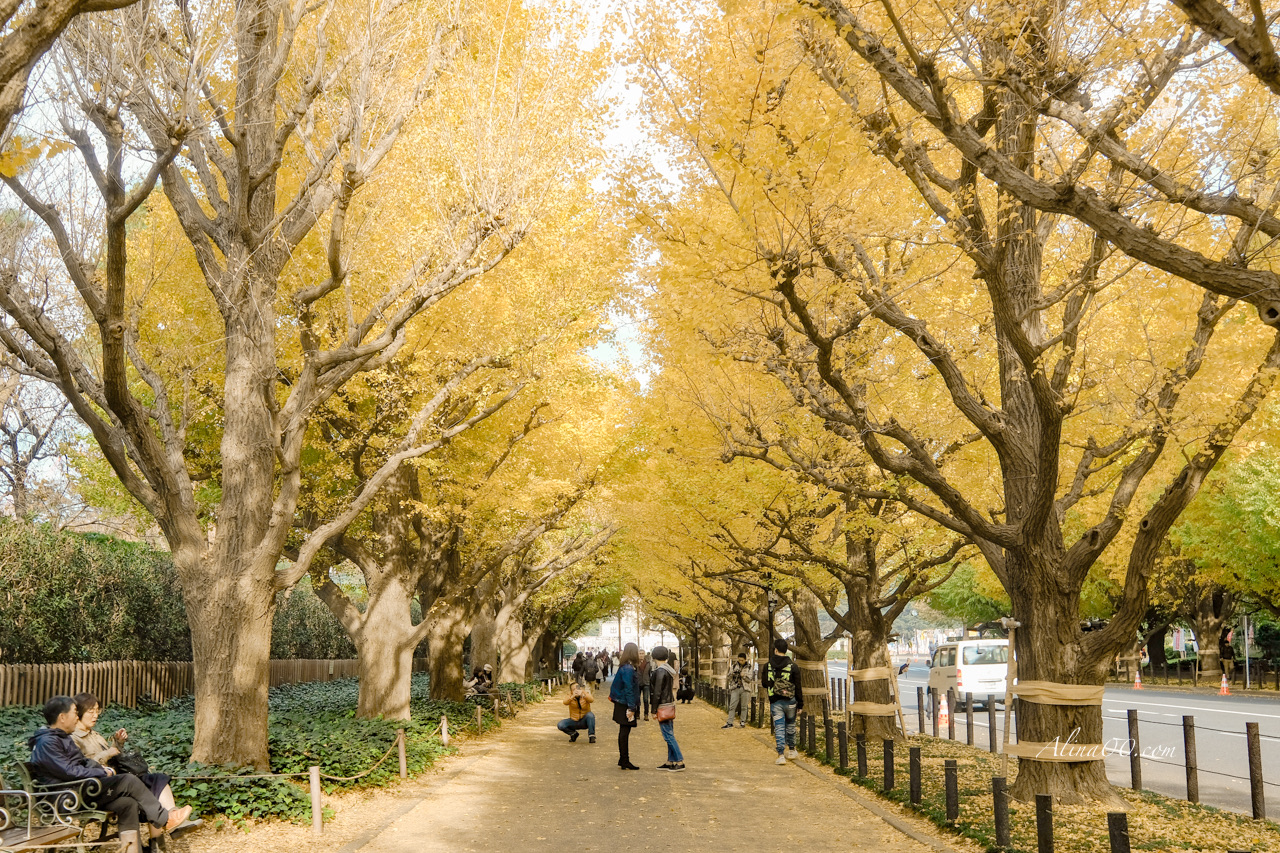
1198, 708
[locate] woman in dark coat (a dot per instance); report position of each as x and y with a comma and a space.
626, 703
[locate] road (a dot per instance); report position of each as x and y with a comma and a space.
1220, 738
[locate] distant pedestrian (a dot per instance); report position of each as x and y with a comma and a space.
579, 664
625, 701
580, 715
643, 669
664, 700
739, 675
591, 671
786, 699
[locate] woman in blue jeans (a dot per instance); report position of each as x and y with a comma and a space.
664, 696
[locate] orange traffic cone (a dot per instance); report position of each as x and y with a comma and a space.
944, 714
1137, 680
1224, 690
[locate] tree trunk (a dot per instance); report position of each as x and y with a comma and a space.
810, 652
1155, 646
512, 647
485, 647
1048, 648
868, 649
447, 631
1209, 612
230, 620
385, 645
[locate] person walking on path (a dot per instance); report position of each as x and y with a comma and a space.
579, 666
625, 699
643, 669
786, 699
580, 715
739, 675
664, 701
591, 671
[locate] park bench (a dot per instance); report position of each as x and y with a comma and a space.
54, 814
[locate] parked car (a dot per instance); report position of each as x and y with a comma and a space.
970, 666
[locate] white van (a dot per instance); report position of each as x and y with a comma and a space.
970, 666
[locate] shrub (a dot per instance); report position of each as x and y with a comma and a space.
75, 598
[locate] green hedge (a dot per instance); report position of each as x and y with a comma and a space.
309, 724
76, 598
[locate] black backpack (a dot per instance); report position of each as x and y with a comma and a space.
590, 669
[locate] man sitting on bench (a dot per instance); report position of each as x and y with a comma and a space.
55, 758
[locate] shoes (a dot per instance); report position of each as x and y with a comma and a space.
667, 766
628, 766
791, 753
782, 759
742, 725
727, 726
676, 768
591, 739
646, 718
177, 817
573, 736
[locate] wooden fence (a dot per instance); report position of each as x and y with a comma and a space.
124, 682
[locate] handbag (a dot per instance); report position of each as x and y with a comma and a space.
666, 712
131, 763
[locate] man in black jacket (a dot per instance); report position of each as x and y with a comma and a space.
786, 699
55, 759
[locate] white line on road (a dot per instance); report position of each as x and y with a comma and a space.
1197, 708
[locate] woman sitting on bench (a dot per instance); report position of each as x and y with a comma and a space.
55, 759
95, 746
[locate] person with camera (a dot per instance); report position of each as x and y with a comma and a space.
96, 747
580, 715
55, 759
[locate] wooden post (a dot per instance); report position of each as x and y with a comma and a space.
404, 766
828, 737
1044, 823
888, 765
444, 729
920, 707
1189, 757
842, 736
1118, 829
813, 734
753, 711
951, 713
968, 718
1000, 808
991, 723
1256, 792
951, 772
933, 703
913, 761
317, 808
1135, 755
479, 720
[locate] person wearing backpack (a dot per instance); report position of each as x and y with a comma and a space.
786, 699
591, 671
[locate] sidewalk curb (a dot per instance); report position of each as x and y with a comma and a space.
866, 802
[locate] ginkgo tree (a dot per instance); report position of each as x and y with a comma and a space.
1018, 321
282, 135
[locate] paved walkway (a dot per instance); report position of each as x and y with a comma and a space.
534, 791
